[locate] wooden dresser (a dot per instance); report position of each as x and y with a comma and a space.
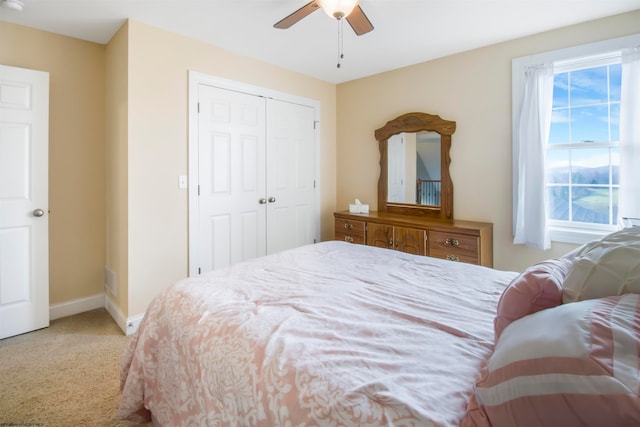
464, 241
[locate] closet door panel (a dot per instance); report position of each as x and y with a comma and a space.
290, 175
219, 227
220, 156
231, 170
251, 238
251, 181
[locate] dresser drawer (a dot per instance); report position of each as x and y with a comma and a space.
350, 231
453, 246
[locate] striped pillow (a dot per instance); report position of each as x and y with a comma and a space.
575, 364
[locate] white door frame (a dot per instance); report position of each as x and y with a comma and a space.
196, 79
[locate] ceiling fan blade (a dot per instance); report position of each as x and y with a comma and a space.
297, 15
359, 21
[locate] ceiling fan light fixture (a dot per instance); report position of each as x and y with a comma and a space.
338, 9
16, 5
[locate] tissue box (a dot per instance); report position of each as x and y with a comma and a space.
356, 208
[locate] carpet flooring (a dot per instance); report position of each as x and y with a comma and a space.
65, 375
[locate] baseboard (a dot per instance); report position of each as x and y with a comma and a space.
80, 305
133, 323
129, 325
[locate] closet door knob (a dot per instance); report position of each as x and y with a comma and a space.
262, 201
272, 199
38, 212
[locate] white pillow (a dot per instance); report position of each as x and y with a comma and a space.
606, 267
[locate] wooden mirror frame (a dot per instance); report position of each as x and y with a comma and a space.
416, 122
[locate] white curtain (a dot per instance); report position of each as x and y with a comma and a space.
532, 134
629, 205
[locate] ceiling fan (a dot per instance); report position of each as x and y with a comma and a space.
337, 9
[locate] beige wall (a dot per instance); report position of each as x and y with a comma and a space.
474, 89
157, 147
76, 154
116, 159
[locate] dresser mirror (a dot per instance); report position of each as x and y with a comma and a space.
414, 166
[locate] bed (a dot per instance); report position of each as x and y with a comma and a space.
336, 334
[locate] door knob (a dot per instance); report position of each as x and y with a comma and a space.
38, 212
272, 199
262, 201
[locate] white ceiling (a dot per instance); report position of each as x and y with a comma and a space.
406, 31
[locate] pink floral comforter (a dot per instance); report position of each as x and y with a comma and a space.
331, 334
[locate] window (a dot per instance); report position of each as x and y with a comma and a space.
582, 155
575, 167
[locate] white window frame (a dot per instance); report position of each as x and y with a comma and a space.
567, 234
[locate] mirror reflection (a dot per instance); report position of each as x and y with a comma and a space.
414, 168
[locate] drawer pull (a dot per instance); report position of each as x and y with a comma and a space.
348, 226
453, 257
451, 242
348, 239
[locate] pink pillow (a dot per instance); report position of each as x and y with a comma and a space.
573, 365
539, 287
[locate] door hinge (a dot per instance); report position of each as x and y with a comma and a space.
314, 183
315, 123
315, 241
198, 107
199, 270
198, 189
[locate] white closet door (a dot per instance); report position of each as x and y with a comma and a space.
252, 161
231, 163
290, 175
24, 213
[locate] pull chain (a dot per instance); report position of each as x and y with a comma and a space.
340, 43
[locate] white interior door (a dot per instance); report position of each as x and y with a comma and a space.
290, 175
231, 175
24, 224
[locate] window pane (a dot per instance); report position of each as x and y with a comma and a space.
615, 122
590, 204
561, 90
559, 133
590, 166
615, 77
614, 218
590, 124
588, 86
615, 166
558, 202
557, 167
